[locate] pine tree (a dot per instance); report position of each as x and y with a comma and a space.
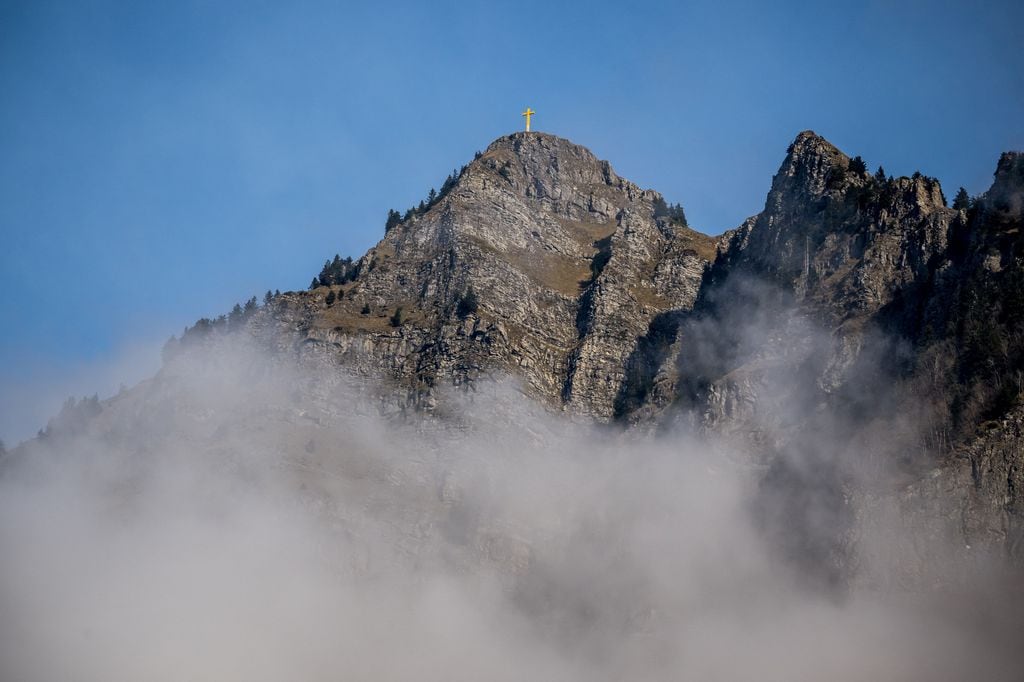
836, 177
267, 297
365, 310
431, 196
962, 201
330, 298
315, 283
235, 316
394, 219
660, 208
468, 304
448, 183
677, 214
250, 306
857, 166
396, 319
880, 176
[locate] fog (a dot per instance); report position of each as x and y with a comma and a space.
242, 518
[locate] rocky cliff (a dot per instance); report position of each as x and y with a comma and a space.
568, 264
857, 336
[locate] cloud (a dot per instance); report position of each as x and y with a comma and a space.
35, 387
241, 518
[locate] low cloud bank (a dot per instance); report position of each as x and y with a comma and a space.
242, 520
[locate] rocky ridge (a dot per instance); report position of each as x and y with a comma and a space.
859, 328
567, 260
856, 328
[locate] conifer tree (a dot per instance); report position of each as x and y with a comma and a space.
396, 319
836, 177
235, 316
468, 304
677, 214
962, 201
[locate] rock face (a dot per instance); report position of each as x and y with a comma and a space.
856, 336
860, 329
567, 261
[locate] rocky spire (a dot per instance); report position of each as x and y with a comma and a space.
811, 162
1007, 192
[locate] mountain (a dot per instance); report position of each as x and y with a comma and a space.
568, 262
856, 322
857, 336
544, 429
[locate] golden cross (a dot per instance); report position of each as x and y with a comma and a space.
528, 113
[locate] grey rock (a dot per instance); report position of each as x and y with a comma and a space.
567, 260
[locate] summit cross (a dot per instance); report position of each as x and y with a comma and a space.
528, 113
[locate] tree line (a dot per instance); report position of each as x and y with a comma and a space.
674, 212
395, 218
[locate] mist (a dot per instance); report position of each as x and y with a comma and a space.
243, 517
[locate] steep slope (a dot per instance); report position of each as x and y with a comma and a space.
801, 284
860, 336
567, 261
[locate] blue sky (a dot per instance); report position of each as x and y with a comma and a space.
160, 161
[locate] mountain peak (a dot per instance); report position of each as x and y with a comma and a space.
522, 140
522, 137
809, 163
1007, 192
808, 139
1010, 170
536, 258
542, 165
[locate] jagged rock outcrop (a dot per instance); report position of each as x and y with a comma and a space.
860, 329
567, 260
